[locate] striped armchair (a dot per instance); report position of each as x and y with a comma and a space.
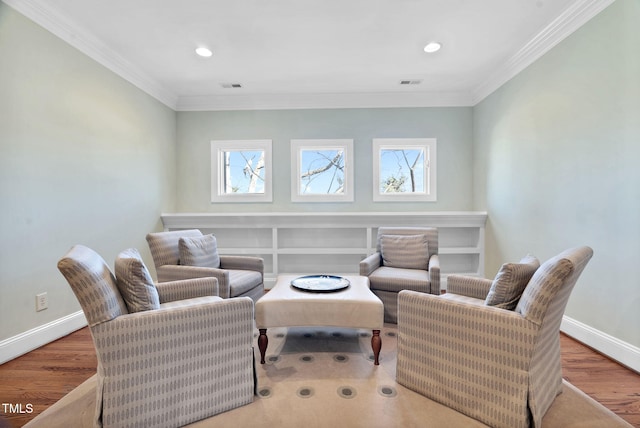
499, 366
167, 367
238, 276
406, 258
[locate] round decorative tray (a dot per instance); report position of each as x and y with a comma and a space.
320, 283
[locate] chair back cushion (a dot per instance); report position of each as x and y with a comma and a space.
543, 302
135, 283
548, 292
510, 282
199, 251
93, 284
405, 251
430, 232
164, 245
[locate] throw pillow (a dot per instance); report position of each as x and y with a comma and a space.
405, 251
510, 282
135, 283
199, 251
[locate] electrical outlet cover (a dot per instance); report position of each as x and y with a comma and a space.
41, 302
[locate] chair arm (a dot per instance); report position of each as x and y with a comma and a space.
469, 286
187, 289
186, 331
242, 263
205, 345
434, 274
464, 352
168, 273
457, 332
369, 264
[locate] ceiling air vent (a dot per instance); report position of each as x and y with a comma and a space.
231, 85
410, 82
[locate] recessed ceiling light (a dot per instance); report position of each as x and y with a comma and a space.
204, 52
432, 47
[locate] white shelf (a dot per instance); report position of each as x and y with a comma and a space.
245, 251
297, 251
333, 243
460, 250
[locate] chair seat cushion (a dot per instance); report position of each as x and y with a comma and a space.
190, 302
134, 282
461, 298
242, 281
199, 251
397, 279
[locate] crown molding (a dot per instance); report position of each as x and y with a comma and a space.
45, 16
569, 21
323, 101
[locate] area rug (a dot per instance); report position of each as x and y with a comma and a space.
325, 377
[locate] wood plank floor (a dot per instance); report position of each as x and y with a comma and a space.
43, 376
604, 380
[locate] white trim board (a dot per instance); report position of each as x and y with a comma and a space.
323, 101
22, 343
45, 15
578, 14
622, 352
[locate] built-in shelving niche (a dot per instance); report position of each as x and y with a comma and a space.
334, 243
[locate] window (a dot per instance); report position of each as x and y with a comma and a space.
404, 169
321, 170
241, 171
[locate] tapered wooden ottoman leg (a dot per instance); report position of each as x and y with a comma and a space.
376, 345
263, 341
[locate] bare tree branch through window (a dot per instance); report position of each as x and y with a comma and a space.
329, 176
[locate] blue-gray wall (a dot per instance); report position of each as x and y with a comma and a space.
556, 155
85, 157
452, 127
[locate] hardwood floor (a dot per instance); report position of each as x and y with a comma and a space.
43, 376
604, 380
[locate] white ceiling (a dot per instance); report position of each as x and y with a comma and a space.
306, 53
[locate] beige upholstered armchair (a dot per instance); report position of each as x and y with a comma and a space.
172, 362
499, 366
183, 254
406, 258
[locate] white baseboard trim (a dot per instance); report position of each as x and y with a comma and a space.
622, 352
22, 343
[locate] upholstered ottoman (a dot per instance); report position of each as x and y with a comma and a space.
353, 307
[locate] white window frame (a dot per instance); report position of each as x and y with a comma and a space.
298, 146
218, 148
429, 169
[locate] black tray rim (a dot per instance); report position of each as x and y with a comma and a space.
341, 287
